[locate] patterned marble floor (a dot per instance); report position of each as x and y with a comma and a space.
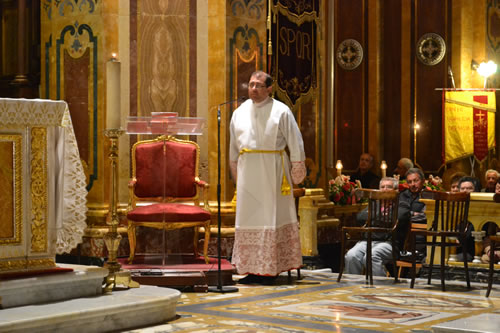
317, 303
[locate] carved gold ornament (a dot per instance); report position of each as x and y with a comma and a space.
349, 54
39, 185
431, 49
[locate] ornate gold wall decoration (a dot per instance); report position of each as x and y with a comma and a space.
431, 49
349, 54
39, 187
11, 196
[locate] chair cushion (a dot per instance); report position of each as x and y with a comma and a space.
165, 168
168, 212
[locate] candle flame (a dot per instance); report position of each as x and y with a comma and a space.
339, 164
383, 165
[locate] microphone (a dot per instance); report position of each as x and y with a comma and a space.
450, 74
239, 99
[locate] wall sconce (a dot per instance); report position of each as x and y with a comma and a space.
339, 167
485, 69
383, 168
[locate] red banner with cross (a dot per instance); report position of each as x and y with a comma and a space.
468, 123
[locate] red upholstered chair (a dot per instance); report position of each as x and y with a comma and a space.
164, 174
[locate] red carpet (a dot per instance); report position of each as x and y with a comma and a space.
26, 274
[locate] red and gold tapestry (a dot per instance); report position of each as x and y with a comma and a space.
468, 123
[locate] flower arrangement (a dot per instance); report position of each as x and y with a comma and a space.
341, 190
434, 184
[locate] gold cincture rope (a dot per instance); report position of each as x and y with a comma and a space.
285, 185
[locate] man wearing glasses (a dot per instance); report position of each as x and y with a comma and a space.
267, 240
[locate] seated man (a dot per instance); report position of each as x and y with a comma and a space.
492, 177
355, 258
468, 184
364, 174
415, 179
404, 164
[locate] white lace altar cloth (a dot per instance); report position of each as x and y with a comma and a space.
71, 209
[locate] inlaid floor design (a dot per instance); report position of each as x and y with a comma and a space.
317, 303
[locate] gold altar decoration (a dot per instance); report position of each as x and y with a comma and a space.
12, 183
43, 197
39, 187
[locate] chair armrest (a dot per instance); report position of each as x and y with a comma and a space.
201, 183
204, 186
131, 195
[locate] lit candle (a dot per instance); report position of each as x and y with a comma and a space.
339, 167
383, 168
113, 93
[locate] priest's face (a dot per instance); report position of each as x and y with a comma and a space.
257, 90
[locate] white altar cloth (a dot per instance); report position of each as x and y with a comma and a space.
67, 182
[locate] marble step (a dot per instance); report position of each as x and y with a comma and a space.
116, 311
83, 281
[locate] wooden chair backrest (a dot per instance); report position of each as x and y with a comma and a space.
451, 210
382, 207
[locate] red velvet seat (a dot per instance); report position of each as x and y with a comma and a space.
165, 178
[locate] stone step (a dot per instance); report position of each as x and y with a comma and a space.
116, 311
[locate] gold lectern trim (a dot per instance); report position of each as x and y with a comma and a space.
22, 264
39, 189
16, 139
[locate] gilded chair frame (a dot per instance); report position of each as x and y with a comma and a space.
134, 200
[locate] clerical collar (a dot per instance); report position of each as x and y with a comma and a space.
261, 104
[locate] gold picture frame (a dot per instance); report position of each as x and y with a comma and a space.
11, 201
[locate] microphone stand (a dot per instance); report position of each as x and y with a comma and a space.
220, 288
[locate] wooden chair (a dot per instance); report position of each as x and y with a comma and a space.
382, 218
494, 245
450, 220
165, 173
402, 263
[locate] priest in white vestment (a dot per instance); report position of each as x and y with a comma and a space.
267, 240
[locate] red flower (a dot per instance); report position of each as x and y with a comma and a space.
337, 197
403, 186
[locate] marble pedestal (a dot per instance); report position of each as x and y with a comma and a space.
84, 281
